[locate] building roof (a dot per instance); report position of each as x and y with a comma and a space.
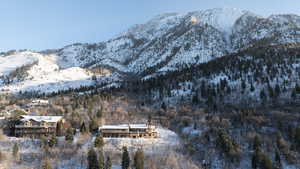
138, 126
40, 101
124, 126
50, 119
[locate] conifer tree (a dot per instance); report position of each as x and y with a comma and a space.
92, 159
271, 92
59, 130
15, 150
294, 94
100, 113
243, 86
252, 88
69, 135
195, 99
263, 96
83, 128
277, 91
255, 160
52, 141
278, 159
256, 143
99, 141
297, 137
125, 158
163, 106
101, 160
108, 163
266, 162
93, 126
139, 159
47, 165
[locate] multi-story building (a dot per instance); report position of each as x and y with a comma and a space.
37, 126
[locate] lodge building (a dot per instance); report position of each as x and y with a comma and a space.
37, 126
129, 130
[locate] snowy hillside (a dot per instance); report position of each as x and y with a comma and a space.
43, 74
9, 64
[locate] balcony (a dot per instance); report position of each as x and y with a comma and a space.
33, 126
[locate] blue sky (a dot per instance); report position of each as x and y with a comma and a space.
47, 24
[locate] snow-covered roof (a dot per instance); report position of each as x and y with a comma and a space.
40, 101
50, 119
138, 126
124, 126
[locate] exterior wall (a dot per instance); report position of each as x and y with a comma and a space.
34, 132
131, 133
35, 129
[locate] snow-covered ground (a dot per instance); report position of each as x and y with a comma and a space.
10, 63
167, 141
191, 131
45, 76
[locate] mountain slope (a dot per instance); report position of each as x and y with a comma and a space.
29, 71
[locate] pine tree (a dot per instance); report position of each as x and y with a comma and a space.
139, 159
297, 88
93, 126
243, 85
266, 162
203, 89
263, 96
125, 159
100, 113
69, 135
108, 163
47, 165
297, 137
271, 92
277, 91
210, 101
195, 99
163, 106
83, 128
52, 141
15, 150
59, 130
294, 94
252, 88
92, 159
278, 159
256, 143
101, 160
99, 141
255, 160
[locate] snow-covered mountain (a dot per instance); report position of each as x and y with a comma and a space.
168, 42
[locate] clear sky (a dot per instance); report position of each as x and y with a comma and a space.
48, 24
